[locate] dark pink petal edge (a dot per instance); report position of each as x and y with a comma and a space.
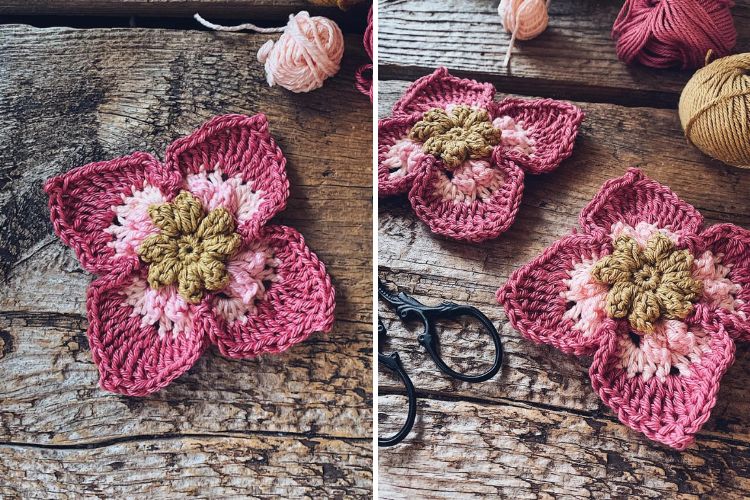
300, 303
81, 201
533, 302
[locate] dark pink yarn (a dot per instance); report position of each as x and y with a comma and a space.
364, 84
667, 33
673, 408
133, 352
551, 125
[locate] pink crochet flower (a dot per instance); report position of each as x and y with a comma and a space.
656, 298
185, 257
461, 157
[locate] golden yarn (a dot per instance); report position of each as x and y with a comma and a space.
715, 110
191, 249
648, 283
456, 136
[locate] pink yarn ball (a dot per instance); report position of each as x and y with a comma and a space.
363, 82
666, 33
527, 18
308, 52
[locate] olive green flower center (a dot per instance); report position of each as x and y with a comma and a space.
456, 136
191, 248
648, 283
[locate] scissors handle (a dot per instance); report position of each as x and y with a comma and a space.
430, 339
408, 307
393, 363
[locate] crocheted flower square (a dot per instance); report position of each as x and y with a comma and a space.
461, 156
655, 298
184, 255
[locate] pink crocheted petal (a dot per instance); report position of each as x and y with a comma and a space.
235, 145
635, 198
477, 202
534, 298
544, 133
400, 159
82, 201
439, 89
299, 302
732, 245
134, 358
672, 410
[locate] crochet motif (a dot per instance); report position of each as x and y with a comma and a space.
657, 299
461, 156
184, 255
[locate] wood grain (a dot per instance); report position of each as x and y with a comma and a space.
460, 449
211, 466
470, 436
574, 58
69, 97
248, 9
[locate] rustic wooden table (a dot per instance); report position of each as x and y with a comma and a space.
538, 430
295, 425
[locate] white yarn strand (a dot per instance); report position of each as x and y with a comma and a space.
239, 27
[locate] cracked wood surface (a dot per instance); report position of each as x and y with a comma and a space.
538, 429
294, 425
574, 58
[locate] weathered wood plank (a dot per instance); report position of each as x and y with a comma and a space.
250, 9
74, 96
435, 269
461, 449
574, 58
52, 398
200, 466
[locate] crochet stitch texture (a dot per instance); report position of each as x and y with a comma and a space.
656, 298
461, 157
185, 257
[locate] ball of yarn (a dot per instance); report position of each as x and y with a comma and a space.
666, 33
308, 52
361, 81
715, 110
526, 19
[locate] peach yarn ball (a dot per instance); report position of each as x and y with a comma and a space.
526, 19
308, 52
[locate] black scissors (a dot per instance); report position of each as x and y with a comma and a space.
409, 308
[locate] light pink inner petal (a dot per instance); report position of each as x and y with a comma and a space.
588, 298
248, 270
133, 224
641, 233
473, 180
402, 158
718, 289
233, 194
164, 307
672, 345
514, 135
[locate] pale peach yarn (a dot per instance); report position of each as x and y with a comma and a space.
524, 19
309, 51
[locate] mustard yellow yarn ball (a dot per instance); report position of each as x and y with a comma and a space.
715, 110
